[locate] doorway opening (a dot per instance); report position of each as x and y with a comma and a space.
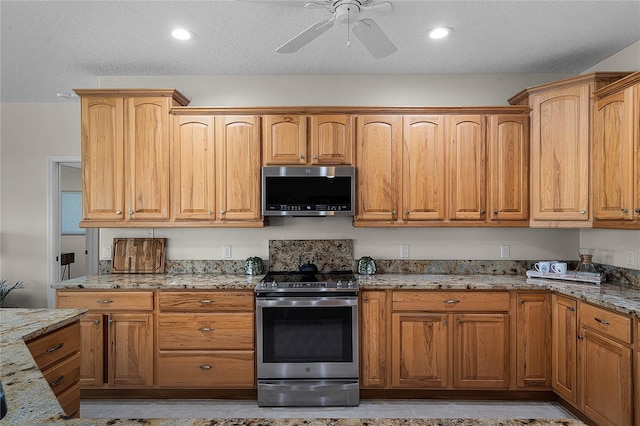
72, 251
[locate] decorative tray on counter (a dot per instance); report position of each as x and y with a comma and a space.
585, 277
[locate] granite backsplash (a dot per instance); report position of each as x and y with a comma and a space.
287, 255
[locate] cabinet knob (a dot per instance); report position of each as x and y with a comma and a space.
394, 212
130, 214
583, 211
495, 212
444, 322
118, 212
365, 300
223, 212
458, 322
638, 211
96, 322
571, 309
315, 157
580, 336
482, 212
302, 157
210, 212
625, 211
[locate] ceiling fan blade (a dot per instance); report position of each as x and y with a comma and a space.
373, 38
382, 7
315, 5
305, 37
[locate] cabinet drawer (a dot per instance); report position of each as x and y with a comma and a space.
606, 322
197, 369
106, 300
70, 401
52, 347
64, 374
205, 301
451, 301
205, 331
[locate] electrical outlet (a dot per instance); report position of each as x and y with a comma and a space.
631, 257
505, 251
106, 252
226, 252
404, 250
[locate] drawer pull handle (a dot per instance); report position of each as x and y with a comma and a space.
204, 301
53, 349
601, 321
205, 329
451, 301
206, 367
56, 382
104, 301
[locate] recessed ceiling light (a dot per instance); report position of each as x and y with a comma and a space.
181, 34
439, 32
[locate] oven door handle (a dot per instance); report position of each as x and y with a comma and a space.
302, 302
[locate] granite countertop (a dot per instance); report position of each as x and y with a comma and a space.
621, 298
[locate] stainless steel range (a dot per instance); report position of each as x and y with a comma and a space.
307, 336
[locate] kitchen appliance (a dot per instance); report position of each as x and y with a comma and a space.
308, 191
307, 339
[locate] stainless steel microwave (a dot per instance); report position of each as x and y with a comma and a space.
308, 191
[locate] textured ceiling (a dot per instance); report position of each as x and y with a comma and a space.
54, 46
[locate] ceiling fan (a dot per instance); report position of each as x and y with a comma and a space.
347, 12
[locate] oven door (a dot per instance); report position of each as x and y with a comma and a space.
305, 337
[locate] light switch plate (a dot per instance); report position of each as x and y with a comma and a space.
505, 251
404, 250
106, 252
226, 252
631, 257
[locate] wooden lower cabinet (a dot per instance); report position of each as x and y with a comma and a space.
533, 340
565, 348
481, 351
57, 354
447, 339
117, 349
605, 364
420, 350
374, 338
206, 339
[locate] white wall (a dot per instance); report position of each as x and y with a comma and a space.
626, 60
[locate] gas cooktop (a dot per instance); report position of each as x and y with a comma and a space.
314, 281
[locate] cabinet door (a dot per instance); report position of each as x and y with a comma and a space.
147, 148
508, 167
378, 167
564, 348
533, 341
613, 157
560, 154
102, 158
423, 168
606, 368
91, 350
331, 139
238, 151
481, 351
131, 350
285, 139
374, 337
420, 357
467, 167
193, 168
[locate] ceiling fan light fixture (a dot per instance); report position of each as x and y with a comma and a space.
181, 34
439, 32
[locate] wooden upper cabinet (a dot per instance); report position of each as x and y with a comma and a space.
467, 166
147, 149
331, 139
616, 155
284, 139
378, 154
423, 168
193, 168
125, 155
288, 141
508, 171
102, 158
238, 163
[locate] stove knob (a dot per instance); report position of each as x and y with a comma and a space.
274, 283
350, 283
339, 283
263, 284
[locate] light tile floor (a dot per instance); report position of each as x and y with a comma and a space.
425, 409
